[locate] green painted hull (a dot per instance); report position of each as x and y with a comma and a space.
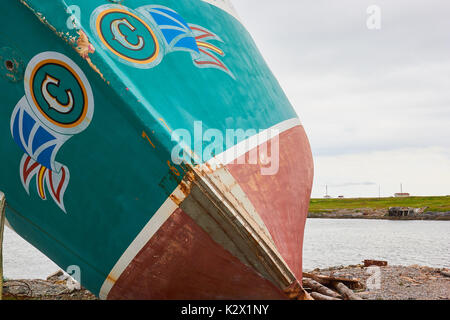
120, 165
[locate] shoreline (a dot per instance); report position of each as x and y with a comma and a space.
413, 282
435, 216
395, 283
388, 208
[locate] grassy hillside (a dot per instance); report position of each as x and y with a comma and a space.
435, 204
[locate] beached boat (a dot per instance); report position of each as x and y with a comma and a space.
147, 149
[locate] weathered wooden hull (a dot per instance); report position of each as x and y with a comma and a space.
190, 257
87, 149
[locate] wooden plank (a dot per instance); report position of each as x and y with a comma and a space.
2, 225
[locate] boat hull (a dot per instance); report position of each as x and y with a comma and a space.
117, 161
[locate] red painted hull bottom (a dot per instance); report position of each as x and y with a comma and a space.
183, 262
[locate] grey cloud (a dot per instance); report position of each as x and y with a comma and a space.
356, 90
353, 184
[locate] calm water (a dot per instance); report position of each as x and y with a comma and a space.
328, 242
22, 261
331, 242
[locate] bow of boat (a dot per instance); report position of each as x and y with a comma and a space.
227, 231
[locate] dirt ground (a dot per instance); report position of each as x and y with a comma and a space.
56, 287
395, 283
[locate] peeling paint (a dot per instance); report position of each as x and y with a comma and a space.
186, 184
81, 45
13, 73
41, 18
84, 48
175, 199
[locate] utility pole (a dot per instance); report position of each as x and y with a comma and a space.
326, 192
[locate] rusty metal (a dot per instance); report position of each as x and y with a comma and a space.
11, 63
378, 263
296, 292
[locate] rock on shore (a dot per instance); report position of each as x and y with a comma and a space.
397, 282
58, 286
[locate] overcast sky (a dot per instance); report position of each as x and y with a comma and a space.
375, 103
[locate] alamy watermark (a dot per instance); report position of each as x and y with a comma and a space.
374, 17
234, 146
374, 281
74, 20
73, 280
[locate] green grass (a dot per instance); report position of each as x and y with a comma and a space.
435, 204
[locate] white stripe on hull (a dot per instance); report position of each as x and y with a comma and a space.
245, 146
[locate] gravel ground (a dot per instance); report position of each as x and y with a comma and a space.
57, 287
397, 282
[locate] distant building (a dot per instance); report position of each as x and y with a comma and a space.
401, 212
327, 197
341, 197
402, 195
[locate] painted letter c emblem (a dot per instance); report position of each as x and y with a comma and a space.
53, 101
121, 38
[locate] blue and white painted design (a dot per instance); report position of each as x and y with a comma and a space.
158, 27
38, 134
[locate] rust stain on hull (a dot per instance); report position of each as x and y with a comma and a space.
81, 44
84, 48
296, 292
111, 279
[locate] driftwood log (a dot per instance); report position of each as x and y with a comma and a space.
329, 281
318, 296
346, 292
445, 273
319, 288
